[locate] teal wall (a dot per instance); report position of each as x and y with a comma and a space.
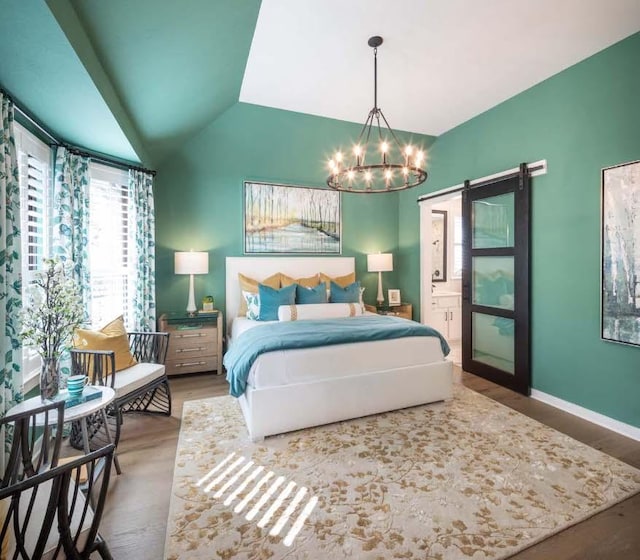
199, 194
581, 120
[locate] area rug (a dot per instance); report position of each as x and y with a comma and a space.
469, 478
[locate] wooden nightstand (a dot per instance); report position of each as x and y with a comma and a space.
404, 310
195, 343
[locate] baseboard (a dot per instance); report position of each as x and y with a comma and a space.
595, 417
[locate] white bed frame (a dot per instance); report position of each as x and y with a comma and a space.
282, 409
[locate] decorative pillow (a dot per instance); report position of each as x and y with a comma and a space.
253, 305
318, 311
348, 294
310, 282
343, 281
250, 285
311, 295
271, 299
110, 337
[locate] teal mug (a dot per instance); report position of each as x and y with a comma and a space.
75, 384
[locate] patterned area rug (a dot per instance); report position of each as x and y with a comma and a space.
469, 478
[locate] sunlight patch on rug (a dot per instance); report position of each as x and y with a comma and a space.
469, 478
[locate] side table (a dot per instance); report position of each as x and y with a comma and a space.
404, 310
78, 412
195, 343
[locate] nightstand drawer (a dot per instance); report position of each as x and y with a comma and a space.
444, 302
192, 338
193, 364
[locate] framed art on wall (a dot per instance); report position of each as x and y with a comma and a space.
620, 315
291, 219
439, 246
394, 297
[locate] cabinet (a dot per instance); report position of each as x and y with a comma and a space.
195, 343
404, 310
446, 315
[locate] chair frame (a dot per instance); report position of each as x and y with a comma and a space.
24, 460
98, 365
59, 503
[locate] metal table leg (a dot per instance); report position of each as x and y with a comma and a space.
110, 440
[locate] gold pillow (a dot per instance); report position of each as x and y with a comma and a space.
110, 337
250, 285
310, 282
342, 281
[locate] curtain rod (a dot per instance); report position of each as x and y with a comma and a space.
535, 168
99, 158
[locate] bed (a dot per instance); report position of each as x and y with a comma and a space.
298, 388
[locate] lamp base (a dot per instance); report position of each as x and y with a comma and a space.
380, 296
191, 304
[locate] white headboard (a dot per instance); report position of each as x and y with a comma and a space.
262, 267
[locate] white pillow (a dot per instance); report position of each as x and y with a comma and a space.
253, 305
318, 311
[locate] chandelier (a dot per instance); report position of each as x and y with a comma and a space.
396, 167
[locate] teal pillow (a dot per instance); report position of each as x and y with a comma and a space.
271, 299
349, 294
311, 295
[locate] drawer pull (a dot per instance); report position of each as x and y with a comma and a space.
187, 364
179, 350
191, 335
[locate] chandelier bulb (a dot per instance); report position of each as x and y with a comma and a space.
384, 147
368, 175
332, 164
408, 150
338, 157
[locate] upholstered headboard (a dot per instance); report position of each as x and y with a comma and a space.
260, 268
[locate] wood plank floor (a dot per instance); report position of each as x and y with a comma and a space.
135, 519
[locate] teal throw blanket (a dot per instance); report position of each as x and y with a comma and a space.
287, 335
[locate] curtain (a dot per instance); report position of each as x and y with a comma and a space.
142, 238
70, 220
10, 269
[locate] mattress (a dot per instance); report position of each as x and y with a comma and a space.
305, 365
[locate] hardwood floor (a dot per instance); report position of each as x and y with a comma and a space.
137, 508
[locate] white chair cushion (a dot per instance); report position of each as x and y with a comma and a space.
134, 377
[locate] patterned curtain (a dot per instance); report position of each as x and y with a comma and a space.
142, 237
10, 268
70, 223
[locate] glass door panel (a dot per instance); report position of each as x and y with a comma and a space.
492, 220
493, 284
494, 341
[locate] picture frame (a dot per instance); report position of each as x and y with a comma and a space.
291, 219
439, 246
620, 258
394, 297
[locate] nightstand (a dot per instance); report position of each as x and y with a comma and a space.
404, 310
195, 343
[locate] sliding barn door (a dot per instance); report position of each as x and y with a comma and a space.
495, 281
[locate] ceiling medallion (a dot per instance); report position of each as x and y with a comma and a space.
397, 168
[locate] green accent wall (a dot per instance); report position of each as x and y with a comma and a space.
199, 194
580, 120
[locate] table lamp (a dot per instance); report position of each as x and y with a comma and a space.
380, 262
191, 262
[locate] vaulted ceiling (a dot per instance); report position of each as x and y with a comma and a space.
135, 79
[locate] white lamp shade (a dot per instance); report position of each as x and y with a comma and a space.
380, 262
191, 262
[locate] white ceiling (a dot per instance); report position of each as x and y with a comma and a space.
442, 61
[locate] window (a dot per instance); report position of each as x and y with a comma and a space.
34, 164
110, 259
457, 247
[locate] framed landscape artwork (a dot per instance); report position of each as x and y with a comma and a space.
621, 253
290, 219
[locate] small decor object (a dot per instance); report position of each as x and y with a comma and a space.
394, 297
439, 246
288, 219
380, 262
191, 262
76, 384
392, 168
207, 304
620, 255
53, 310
